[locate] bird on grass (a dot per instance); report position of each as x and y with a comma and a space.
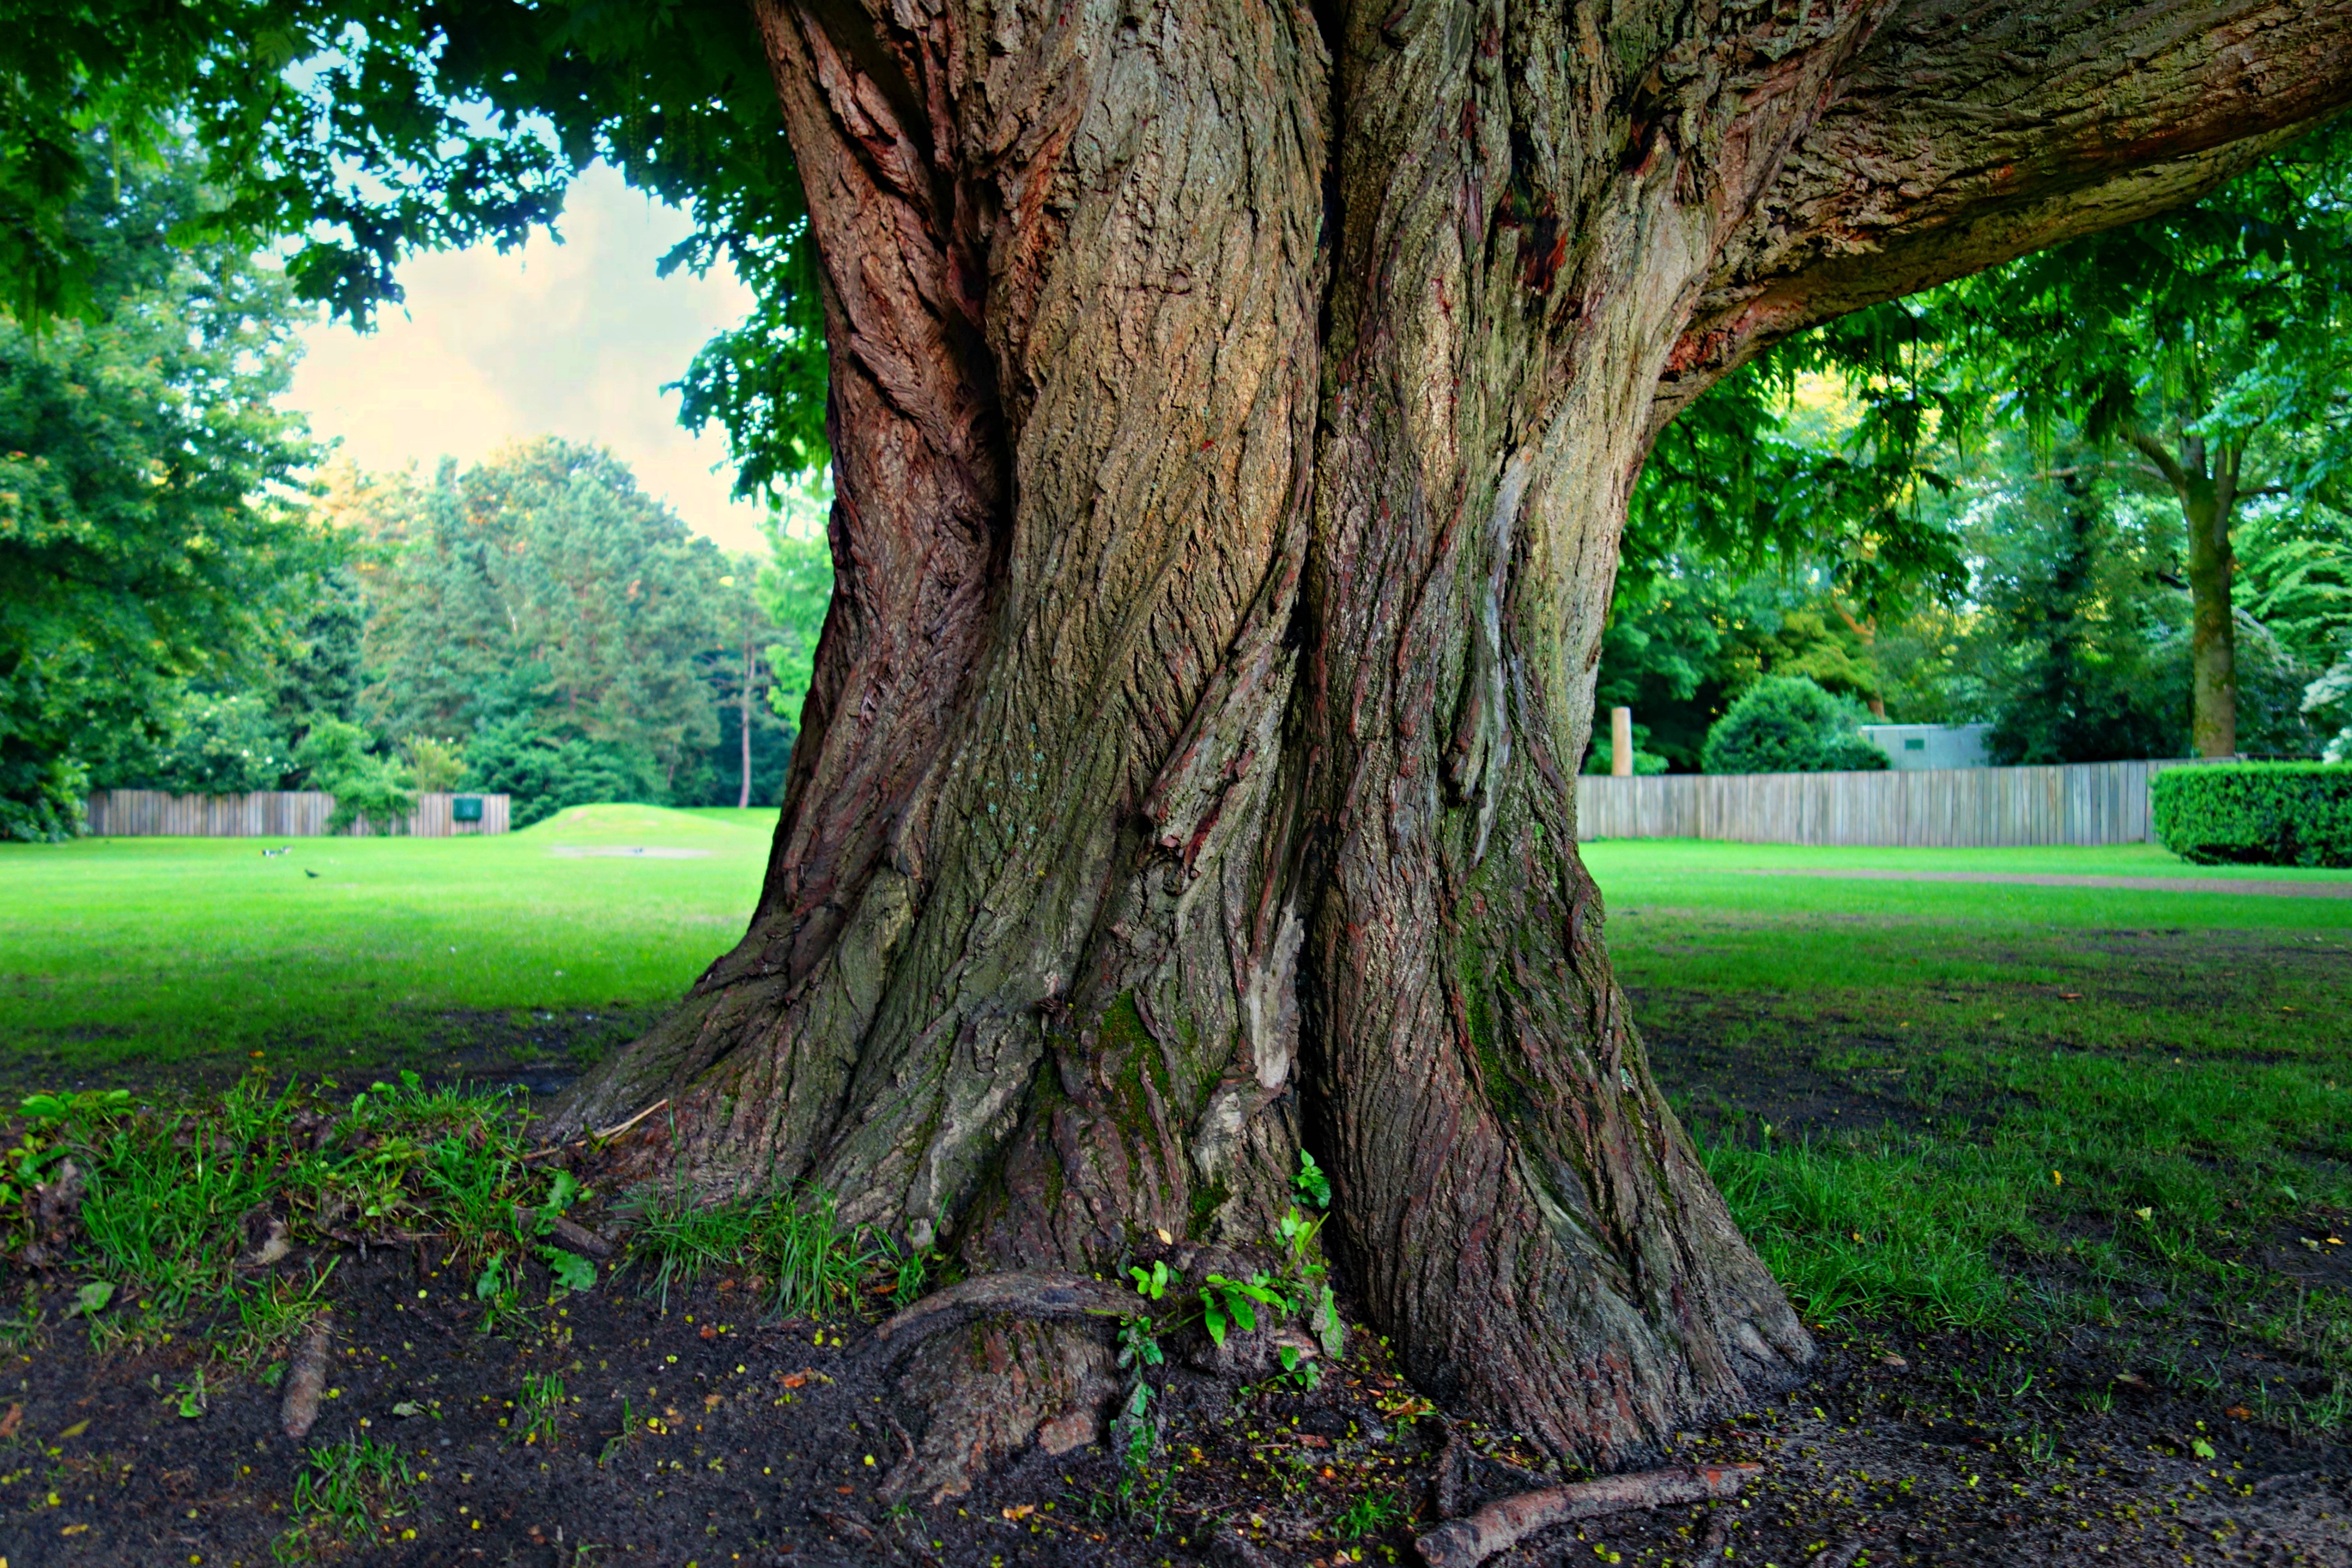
307, 872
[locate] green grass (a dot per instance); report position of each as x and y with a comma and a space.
119, 956
350, 1491
1980, 1105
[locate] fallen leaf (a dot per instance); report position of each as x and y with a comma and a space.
2239, 1413
2131, 1380
73, 1530
91, 1298
2069, 995
2145, 1214
75, 1430
10, 1421
406, 1409
1020, 1509
1896, 1362
797, 1379
709, 1332
712, 1401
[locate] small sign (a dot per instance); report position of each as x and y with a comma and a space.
465, 808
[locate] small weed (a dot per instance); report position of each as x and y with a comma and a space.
541, 1404
1369, 1515
349, 1490
622, 1438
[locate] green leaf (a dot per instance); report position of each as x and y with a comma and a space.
1311, 1182
92, 1298
562, 1192
571, 1271
1289, 1355
1324, 1321
1214, 1318
406, 1409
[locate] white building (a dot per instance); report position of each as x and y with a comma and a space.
1913, 748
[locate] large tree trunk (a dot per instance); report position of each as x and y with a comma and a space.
1234, 408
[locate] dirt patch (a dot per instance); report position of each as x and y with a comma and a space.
539, 1049
1731, 1062
702, 1432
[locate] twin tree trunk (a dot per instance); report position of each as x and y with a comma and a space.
1234, 411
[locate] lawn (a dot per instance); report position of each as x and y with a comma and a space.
1997, 1105
121, 959
2062, 1177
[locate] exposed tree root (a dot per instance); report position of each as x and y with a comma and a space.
577, 1237
991, 1388
1460, 1543
1011, 1295
306, 1381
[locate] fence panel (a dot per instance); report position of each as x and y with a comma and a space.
269, 814
2083, 803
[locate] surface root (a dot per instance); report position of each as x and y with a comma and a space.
1460, 1543
1015, 1295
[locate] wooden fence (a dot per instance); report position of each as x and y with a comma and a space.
269, 813
2084, 803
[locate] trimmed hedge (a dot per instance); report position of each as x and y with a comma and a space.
2259, 814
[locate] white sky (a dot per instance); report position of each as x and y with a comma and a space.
572, 340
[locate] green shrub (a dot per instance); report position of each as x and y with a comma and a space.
365, 786
1787, 724
2259, 813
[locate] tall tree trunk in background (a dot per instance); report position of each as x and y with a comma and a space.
2205, 482
1234, 408
743, 795
2213, 631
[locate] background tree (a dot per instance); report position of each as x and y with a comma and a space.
2209, 341
1233, 410
1788, 724
795, 590
542, 603
742, 681
149, 534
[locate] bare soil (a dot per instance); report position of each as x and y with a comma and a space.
772, 1447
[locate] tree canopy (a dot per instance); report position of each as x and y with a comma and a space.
149, 528
363, 133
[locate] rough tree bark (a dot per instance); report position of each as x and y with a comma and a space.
1234, 408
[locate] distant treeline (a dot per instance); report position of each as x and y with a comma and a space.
535, 626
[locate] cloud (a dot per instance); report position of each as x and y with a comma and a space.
572, 338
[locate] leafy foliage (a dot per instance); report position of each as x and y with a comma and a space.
542, 602
366, 787
365, 133
1785, 724
145, 538
795, 589
2263, 814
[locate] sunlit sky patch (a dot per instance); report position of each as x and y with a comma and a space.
572, 340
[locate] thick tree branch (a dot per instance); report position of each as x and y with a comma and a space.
2163, 461
1970, 132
